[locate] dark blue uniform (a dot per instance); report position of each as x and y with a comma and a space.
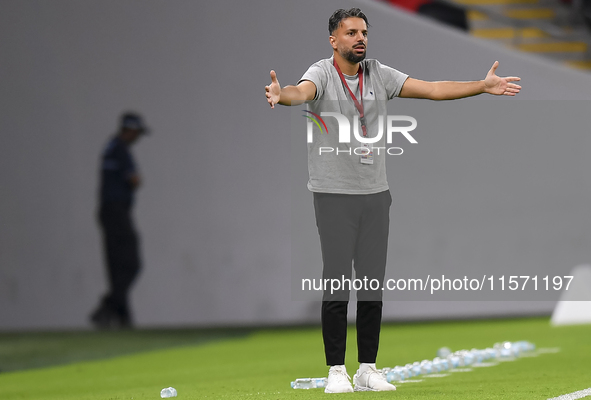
119, 235
116, 169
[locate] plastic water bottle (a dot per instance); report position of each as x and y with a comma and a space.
454, 360
525, 346
308, 383
426, 367
394, 376
407, 370
515, 349
443, 352
401, 372
494, 353
478, 355
520, 346
461, 357
504, 350
168, 392
437, 366
410, 370
468, 357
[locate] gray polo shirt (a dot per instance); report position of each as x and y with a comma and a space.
343, 172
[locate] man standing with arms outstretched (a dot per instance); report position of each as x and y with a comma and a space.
351, 195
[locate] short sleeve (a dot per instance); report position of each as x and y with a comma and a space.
317, 75
117, 159
126, 162
392, 78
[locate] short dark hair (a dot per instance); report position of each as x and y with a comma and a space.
335, 19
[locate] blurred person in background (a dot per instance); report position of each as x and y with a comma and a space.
119, 179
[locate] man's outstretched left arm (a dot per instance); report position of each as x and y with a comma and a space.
449, 90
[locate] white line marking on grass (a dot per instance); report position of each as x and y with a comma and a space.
436, 375
460, 370
575, 395
485, 364
409, 381
548, 350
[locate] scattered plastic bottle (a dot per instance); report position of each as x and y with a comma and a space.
505, 354
524, 346
445, 364
496, 353
437, 366
468, 357
407, 371
443, 352
490, 353
308, 383
394, 376
168, 392
461, 358
426, 367
398, 373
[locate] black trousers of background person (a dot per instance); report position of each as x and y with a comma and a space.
354, 230
122, 258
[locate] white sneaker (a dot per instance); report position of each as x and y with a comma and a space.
368, 378
338, 381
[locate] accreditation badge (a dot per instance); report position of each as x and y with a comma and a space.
367, 153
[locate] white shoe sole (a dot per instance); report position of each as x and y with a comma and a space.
330, 391
358, 388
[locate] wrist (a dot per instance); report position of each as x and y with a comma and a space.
483, 87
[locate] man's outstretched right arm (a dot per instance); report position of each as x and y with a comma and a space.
289, 95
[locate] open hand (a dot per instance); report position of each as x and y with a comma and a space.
500, 86
273, 91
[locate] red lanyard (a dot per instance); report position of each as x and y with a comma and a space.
358, 105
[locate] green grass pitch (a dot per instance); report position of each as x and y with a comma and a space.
261, 363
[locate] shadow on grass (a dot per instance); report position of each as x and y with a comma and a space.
19, 351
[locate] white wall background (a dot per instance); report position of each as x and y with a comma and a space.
215, 211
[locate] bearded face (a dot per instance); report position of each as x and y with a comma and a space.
355, 54
350, 39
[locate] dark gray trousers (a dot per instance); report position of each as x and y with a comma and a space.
121, 247
353, 232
